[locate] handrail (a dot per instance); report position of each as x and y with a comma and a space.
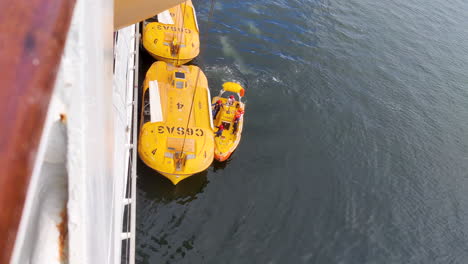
32, 38
129, 229
135, 144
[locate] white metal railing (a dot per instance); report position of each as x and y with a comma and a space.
129, 201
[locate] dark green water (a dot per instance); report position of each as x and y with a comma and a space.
355, 145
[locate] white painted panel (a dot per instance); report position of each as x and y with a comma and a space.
38, 235
209, 108
195, 17
155, 102
91, 132
165, 18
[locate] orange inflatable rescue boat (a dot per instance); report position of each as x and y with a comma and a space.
228, 115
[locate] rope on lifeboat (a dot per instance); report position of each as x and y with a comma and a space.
198, 74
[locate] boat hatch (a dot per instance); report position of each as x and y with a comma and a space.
179, 144
226, 125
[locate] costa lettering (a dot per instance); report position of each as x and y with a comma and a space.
180, 131
175, 29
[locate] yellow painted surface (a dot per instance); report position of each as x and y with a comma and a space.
233, 87
178, 43
182, 144
227, 142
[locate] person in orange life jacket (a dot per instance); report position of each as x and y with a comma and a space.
216, 107
220, 131
230, 100
237, 117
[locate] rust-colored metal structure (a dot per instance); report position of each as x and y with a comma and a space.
32, 38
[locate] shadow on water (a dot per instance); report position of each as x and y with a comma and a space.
158, 188
219, 165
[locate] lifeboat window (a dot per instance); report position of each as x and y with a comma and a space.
179, 85
180, 75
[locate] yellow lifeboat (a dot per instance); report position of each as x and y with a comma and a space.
176, 129
228, 116
174, 37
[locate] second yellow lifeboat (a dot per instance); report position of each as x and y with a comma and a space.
173, 36
176, 129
